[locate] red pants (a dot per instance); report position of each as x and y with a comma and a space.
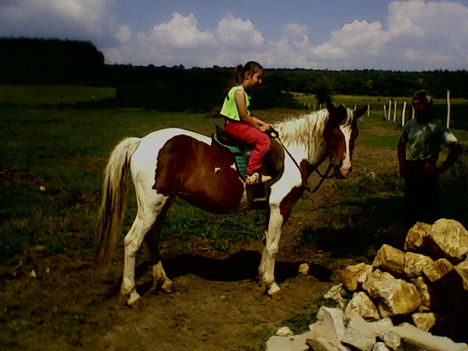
251, 136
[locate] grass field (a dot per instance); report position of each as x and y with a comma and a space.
53, 157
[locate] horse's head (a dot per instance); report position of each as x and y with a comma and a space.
340, 133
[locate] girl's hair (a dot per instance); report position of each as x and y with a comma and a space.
250, 67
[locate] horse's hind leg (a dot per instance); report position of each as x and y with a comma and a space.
144, 221
153, 239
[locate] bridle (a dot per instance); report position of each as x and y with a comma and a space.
331, 164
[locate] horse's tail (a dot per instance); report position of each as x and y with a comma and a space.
113, 204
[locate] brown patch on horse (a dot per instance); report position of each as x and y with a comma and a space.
273, 161
200, 173
334, 138
287, 202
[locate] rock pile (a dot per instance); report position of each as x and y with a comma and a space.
423, 289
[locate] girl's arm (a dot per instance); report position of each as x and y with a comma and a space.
244, 114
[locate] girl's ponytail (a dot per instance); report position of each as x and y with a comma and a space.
238, 75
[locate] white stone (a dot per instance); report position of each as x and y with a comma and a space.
424, 320
380, 346
303, 269
415, 263
358, 334
284, 331
415, 337
336, 294
333, 319
394, 296
287, 343
363, 305
450, 239
352, 275
389, 259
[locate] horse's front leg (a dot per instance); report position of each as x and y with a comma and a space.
270, 249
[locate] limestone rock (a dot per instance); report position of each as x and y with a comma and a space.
415, 263
352, 275
437, 270
462, 269
333, 319
287, 343
326, 333
427, 301
303, 268
417, 339
380, 346
424, 321
336, 293
448, 238
391, 339
390, 260
363, 305
358, 334
416, 237
394, 296
284, 331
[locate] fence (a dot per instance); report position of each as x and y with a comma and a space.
392, 108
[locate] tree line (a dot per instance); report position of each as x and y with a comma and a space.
49, 61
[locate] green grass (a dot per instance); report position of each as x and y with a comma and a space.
53, 157
51, 172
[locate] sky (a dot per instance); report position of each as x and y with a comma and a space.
403, 35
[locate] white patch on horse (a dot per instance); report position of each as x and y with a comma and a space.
217, 169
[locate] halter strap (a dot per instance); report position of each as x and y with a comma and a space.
275, 135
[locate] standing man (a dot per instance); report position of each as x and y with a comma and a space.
424, 138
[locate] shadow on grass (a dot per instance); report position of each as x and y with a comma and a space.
363, 228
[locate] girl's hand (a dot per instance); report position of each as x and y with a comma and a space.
263, 126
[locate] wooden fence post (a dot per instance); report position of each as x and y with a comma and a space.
385, 112
389, 110
368, 110
403, 114
394, 111
448, 108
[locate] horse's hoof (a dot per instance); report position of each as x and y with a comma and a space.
273, 289
168, 287
133, 298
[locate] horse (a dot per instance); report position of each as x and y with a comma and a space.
177, 162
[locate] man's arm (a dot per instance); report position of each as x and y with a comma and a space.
455, 150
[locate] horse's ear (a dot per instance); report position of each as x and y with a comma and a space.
360, 112
330, 107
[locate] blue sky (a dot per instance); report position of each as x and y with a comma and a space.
412, 35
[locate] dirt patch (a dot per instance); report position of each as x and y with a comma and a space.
50, 302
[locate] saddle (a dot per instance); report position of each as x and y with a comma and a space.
273, 164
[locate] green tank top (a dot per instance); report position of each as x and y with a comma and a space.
229, 108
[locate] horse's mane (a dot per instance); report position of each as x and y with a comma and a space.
303, 127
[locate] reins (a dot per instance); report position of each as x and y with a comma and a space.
275, 135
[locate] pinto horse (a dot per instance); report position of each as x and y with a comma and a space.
176, 162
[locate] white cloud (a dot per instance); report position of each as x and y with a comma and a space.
236, 33
180, 32
416, 35
54, 18
419, 35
